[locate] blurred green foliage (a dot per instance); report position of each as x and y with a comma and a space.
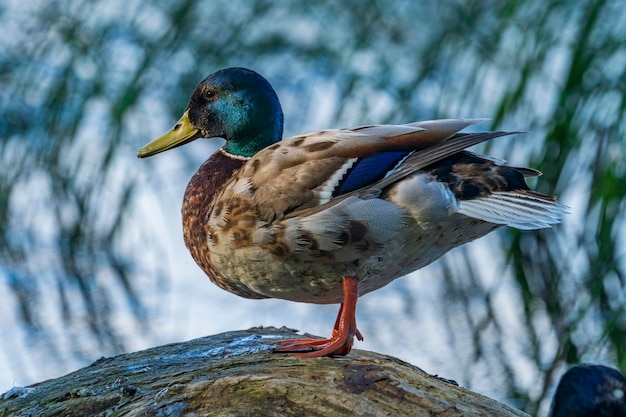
82, 84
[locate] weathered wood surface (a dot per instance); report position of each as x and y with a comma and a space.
235, 374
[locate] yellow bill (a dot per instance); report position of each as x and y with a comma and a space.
183, 132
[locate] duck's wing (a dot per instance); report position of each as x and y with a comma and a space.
313, 170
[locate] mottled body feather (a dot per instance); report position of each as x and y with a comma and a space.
270, 230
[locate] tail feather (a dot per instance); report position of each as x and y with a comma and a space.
522, 210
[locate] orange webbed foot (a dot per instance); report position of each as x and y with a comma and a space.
344, 332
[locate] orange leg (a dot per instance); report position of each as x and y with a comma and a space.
340, 343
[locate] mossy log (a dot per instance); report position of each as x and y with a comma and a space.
235, 374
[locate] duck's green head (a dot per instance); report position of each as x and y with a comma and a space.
236, 104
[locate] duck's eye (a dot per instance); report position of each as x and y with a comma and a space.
200, 98
208, 94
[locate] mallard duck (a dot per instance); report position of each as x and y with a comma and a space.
329, 216
590, 390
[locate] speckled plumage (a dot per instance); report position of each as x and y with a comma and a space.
292, 219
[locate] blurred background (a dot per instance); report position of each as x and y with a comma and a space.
92, 261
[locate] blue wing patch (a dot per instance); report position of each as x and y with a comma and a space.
369, 170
